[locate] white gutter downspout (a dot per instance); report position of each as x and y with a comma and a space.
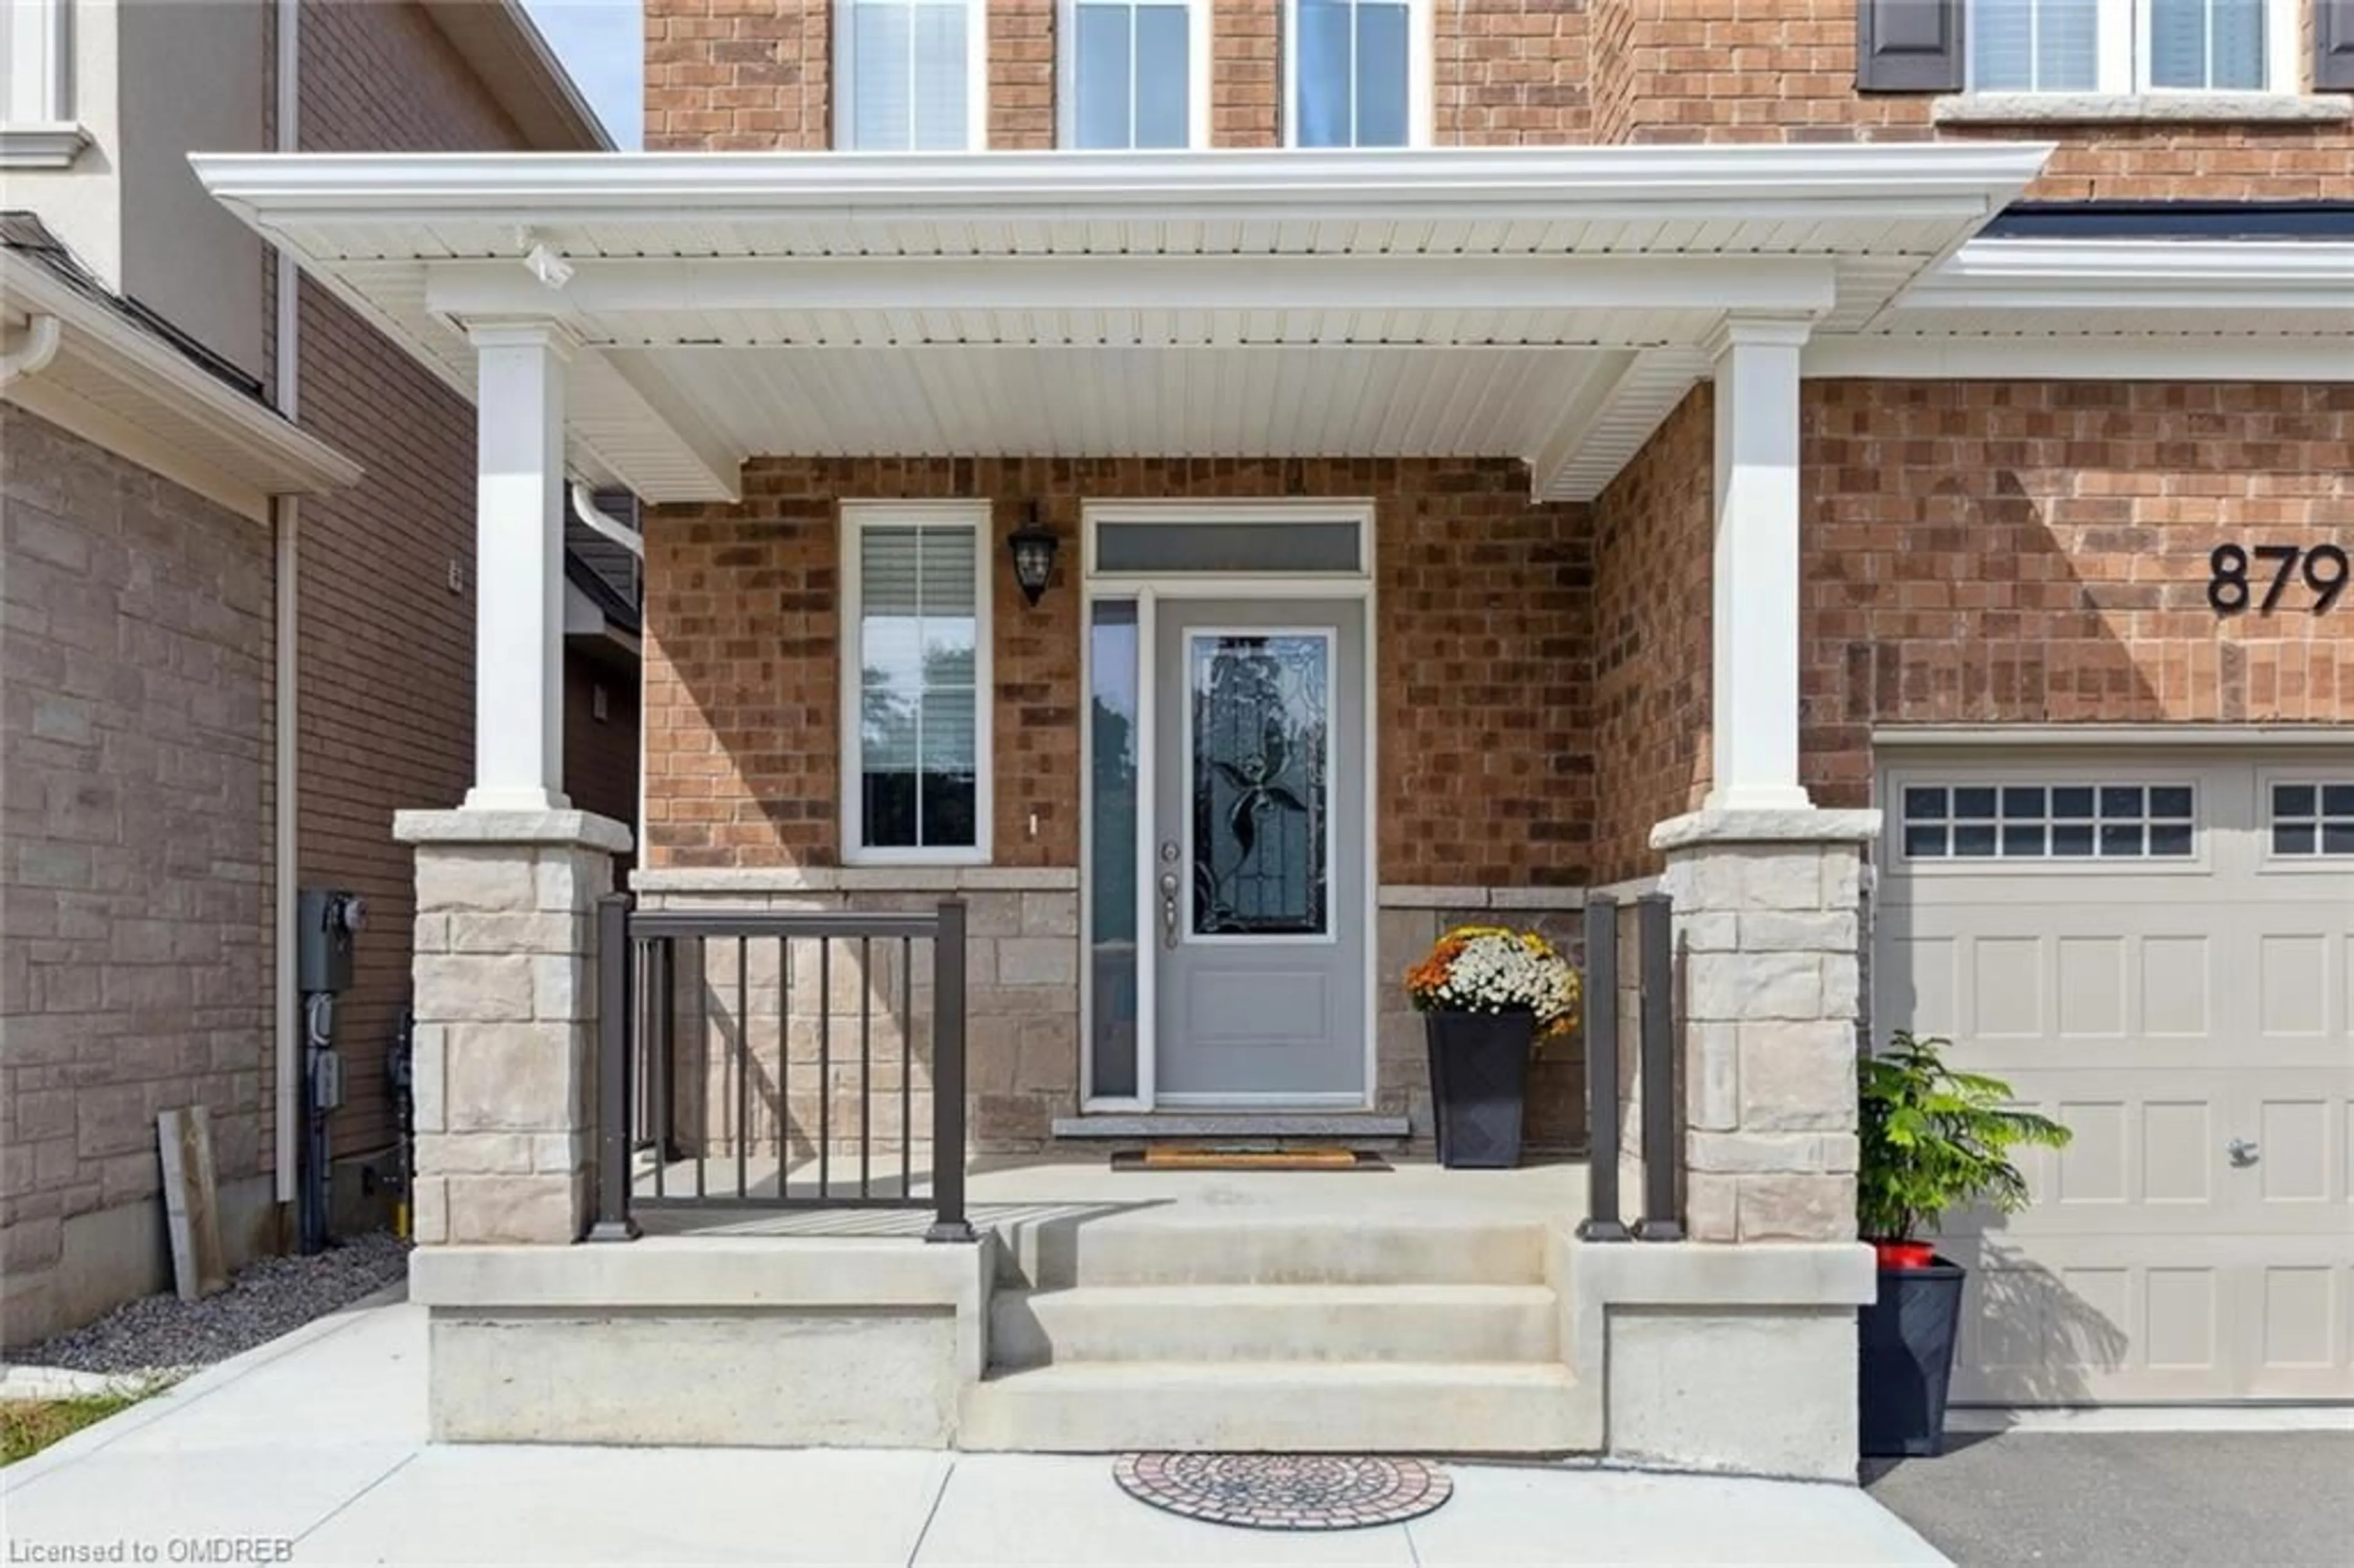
287, 517
42, 334
604, 525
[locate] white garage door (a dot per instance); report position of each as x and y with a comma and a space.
2158, 951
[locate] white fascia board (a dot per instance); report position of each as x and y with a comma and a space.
1800, 286
1868, 179
2328, 357
2201, 276
285, 459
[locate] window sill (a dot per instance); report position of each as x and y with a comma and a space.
41, 146
2140, 108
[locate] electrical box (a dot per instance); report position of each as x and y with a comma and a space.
326, 921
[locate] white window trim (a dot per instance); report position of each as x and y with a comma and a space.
2122, 56
37, 127
1198, 67
976, 65
1420, 20
2270, 861
857, 516
1895, 781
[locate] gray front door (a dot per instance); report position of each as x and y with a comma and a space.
1259, 852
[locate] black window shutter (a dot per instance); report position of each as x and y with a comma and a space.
1915, 46
2333, 44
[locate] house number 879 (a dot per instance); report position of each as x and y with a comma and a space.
2323, 569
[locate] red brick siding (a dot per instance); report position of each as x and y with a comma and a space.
385, 647
1652, 529
2037, 552
1482, 625
757, 73
1720, 70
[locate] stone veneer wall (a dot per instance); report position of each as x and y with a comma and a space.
136, 704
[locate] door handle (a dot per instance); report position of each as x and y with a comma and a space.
1167, 909
2243, 1151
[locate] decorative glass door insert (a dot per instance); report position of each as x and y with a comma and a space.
1257, 743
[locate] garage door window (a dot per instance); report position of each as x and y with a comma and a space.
2048, 821
2313, 818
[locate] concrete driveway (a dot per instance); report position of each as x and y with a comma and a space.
311, 1449
2153, 1500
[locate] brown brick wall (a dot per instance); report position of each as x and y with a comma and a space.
1728, 70
135, 668
1652, 529
1981, 551
1487, 772
756, 73
376, 558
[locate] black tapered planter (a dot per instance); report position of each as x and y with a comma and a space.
1478, 1085
1904, 1345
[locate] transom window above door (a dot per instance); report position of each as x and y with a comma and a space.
1356, 73
2128, 46
909, 76
1135, 73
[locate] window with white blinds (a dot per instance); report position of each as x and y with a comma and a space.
1131, 73
1356, 73
2124, 47
915, 683
909, 76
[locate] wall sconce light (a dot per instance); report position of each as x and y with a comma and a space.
1033, 548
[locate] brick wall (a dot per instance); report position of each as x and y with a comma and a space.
1719, 71
135, 658
1981, 551
1652, 530
756, 73
1487, 766
377, 559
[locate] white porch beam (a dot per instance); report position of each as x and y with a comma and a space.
519, 566
1579, 419
1754, 707
2055, 358
1785, 285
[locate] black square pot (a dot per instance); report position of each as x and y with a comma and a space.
1905, 1347
1478, 1085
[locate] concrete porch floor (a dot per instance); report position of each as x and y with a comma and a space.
1009, 1193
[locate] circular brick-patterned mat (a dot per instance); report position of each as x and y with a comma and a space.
1285, 1491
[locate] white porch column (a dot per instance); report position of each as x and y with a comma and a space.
1756, 566
519, 566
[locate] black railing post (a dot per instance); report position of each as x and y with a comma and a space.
615, 963
1604, 1221
948, 1222
1655, 930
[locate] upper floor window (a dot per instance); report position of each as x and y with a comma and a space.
1136, 73
1356, 73
909, 76
2127, 47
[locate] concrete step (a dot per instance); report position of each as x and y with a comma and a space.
1141, 1248
1225, 1323
1098, 1408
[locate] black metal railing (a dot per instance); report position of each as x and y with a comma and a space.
687, 1072
1657, 1084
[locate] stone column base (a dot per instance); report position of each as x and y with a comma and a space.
505, 987
1768, 940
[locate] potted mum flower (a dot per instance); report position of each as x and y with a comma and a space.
1486, 994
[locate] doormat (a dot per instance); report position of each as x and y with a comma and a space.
1196, 1159
1285, 1491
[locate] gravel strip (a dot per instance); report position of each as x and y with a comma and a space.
165, 1336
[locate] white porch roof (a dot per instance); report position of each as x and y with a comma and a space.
1550, 304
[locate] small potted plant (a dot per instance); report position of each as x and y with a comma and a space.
1930, 1140
1486, 994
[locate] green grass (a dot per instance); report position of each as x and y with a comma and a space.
29, 1425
